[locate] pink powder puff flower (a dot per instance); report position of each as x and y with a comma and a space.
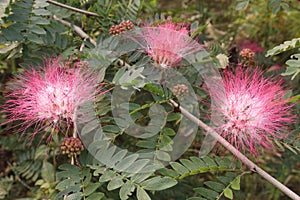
49, 96
168, 43
252, 109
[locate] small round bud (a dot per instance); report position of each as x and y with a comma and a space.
247, 54
127, 24
122, 27
116, 30
180, 90
71, 146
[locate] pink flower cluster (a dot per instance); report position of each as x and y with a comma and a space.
252, 109
49, 95
168, 43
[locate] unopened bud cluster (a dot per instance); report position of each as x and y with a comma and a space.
120, 28
127, 24
71, 146
180, 90
247, 54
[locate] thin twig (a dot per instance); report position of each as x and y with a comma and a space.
18, 177
236, 152
82, 45
54, 163
77, 29
85, 36
74, 9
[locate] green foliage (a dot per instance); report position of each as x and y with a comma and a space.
293, 63
127, 183
76, 183
30, 31
293, 66
195, 165
113, 12
31, 163
274, 5
5, 186
223, 186
242, 4
287, 45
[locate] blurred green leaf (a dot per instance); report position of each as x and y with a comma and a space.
142, 194
228, 193
293, 66
115, 183
287, 45
158, 183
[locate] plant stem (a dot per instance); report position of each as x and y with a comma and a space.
77, 29
85, 36
17, 177
74, 135
236, 152
74, 9
54, 163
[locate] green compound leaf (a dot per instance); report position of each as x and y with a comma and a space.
236, 183
126, 190
293, 66
91, 188
223, 186
74, 196
162, 155
142, 194
115, 183
207, 193
287, 45
179, 168
76, 183
228, 193
189, 164
96, 196
158, 183
218, 187
223, 179
243, 4
107, 176
126, 162
196, 198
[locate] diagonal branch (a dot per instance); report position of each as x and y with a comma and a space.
74, 9
85, 36
77, 29
236, 152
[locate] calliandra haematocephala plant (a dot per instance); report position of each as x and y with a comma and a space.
167, 43
47, 96
252, 109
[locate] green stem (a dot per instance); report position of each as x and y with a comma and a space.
147, 106
54, 163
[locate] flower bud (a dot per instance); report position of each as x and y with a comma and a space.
71, 146
180, 90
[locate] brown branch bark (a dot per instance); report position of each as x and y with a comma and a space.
74, 9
